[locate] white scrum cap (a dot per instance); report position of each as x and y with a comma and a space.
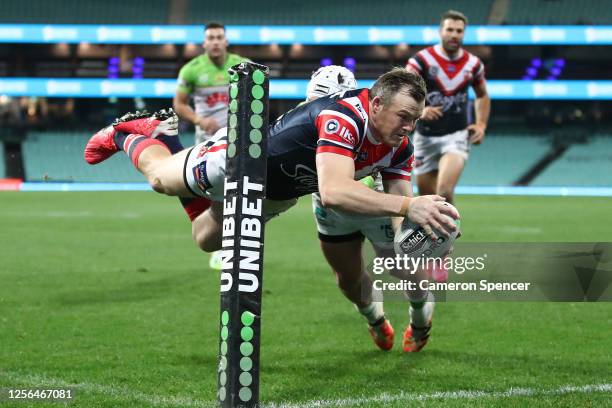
328, 80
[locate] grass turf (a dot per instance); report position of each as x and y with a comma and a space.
107, 291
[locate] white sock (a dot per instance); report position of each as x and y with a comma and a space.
421, 316
372, 312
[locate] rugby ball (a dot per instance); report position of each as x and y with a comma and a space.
411, 240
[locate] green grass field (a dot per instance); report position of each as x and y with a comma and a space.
105, 292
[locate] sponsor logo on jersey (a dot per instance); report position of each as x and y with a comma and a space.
447, 102
331, 126
199, 175
203, 78
433, 71
202, 151
216, 98
347, 135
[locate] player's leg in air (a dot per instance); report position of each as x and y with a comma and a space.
149, 141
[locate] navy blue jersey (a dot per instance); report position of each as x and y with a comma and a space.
447, 86
332, 124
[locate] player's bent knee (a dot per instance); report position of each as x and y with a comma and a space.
157, 185
156, 182
206, 242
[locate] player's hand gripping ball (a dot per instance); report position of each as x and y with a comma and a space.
411, 240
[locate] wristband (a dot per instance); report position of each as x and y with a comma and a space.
405, 207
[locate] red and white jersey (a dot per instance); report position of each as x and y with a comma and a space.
334, 124
447, 83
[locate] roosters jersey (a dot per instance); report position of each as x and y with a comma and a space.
335, 124
447, 86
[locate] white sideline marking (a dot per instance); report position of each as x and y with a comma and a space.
456, 395
127, 394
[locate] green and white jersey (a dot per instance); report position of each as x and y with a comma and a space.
208, 84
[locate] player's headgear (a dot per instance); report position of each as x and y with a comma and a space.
330, 79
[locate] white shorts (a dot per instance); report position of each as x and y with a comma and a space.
340, 226
201, 137
429, 149
204, 173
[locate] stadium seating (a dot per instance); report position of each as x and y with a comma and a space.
502, 159
588, 164
391, 12
559, 12
2, 165
85, 12
55, 156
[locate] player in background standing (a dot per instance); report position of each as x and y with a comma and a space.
442, 138
205, 78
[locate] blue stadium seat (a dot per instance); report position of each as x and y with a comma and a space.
57, 156
84, 12
501, 159
587, 164
538, 12
2, 165
323, 12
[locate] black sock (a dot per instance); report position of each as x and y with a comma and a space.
119, 139
172, 142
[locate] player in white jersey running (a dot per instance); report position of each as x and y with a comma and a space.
443, 136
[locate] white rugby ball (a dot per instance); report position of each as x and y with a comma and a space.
412, 240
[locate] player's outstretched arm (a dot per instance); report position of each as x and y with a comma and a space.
338, 189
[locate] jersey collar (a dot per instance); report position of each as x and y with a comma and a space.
371, 137
440, 51
207, 60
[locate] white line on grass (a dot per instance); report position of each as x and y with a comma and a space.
126, 394
445, 395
